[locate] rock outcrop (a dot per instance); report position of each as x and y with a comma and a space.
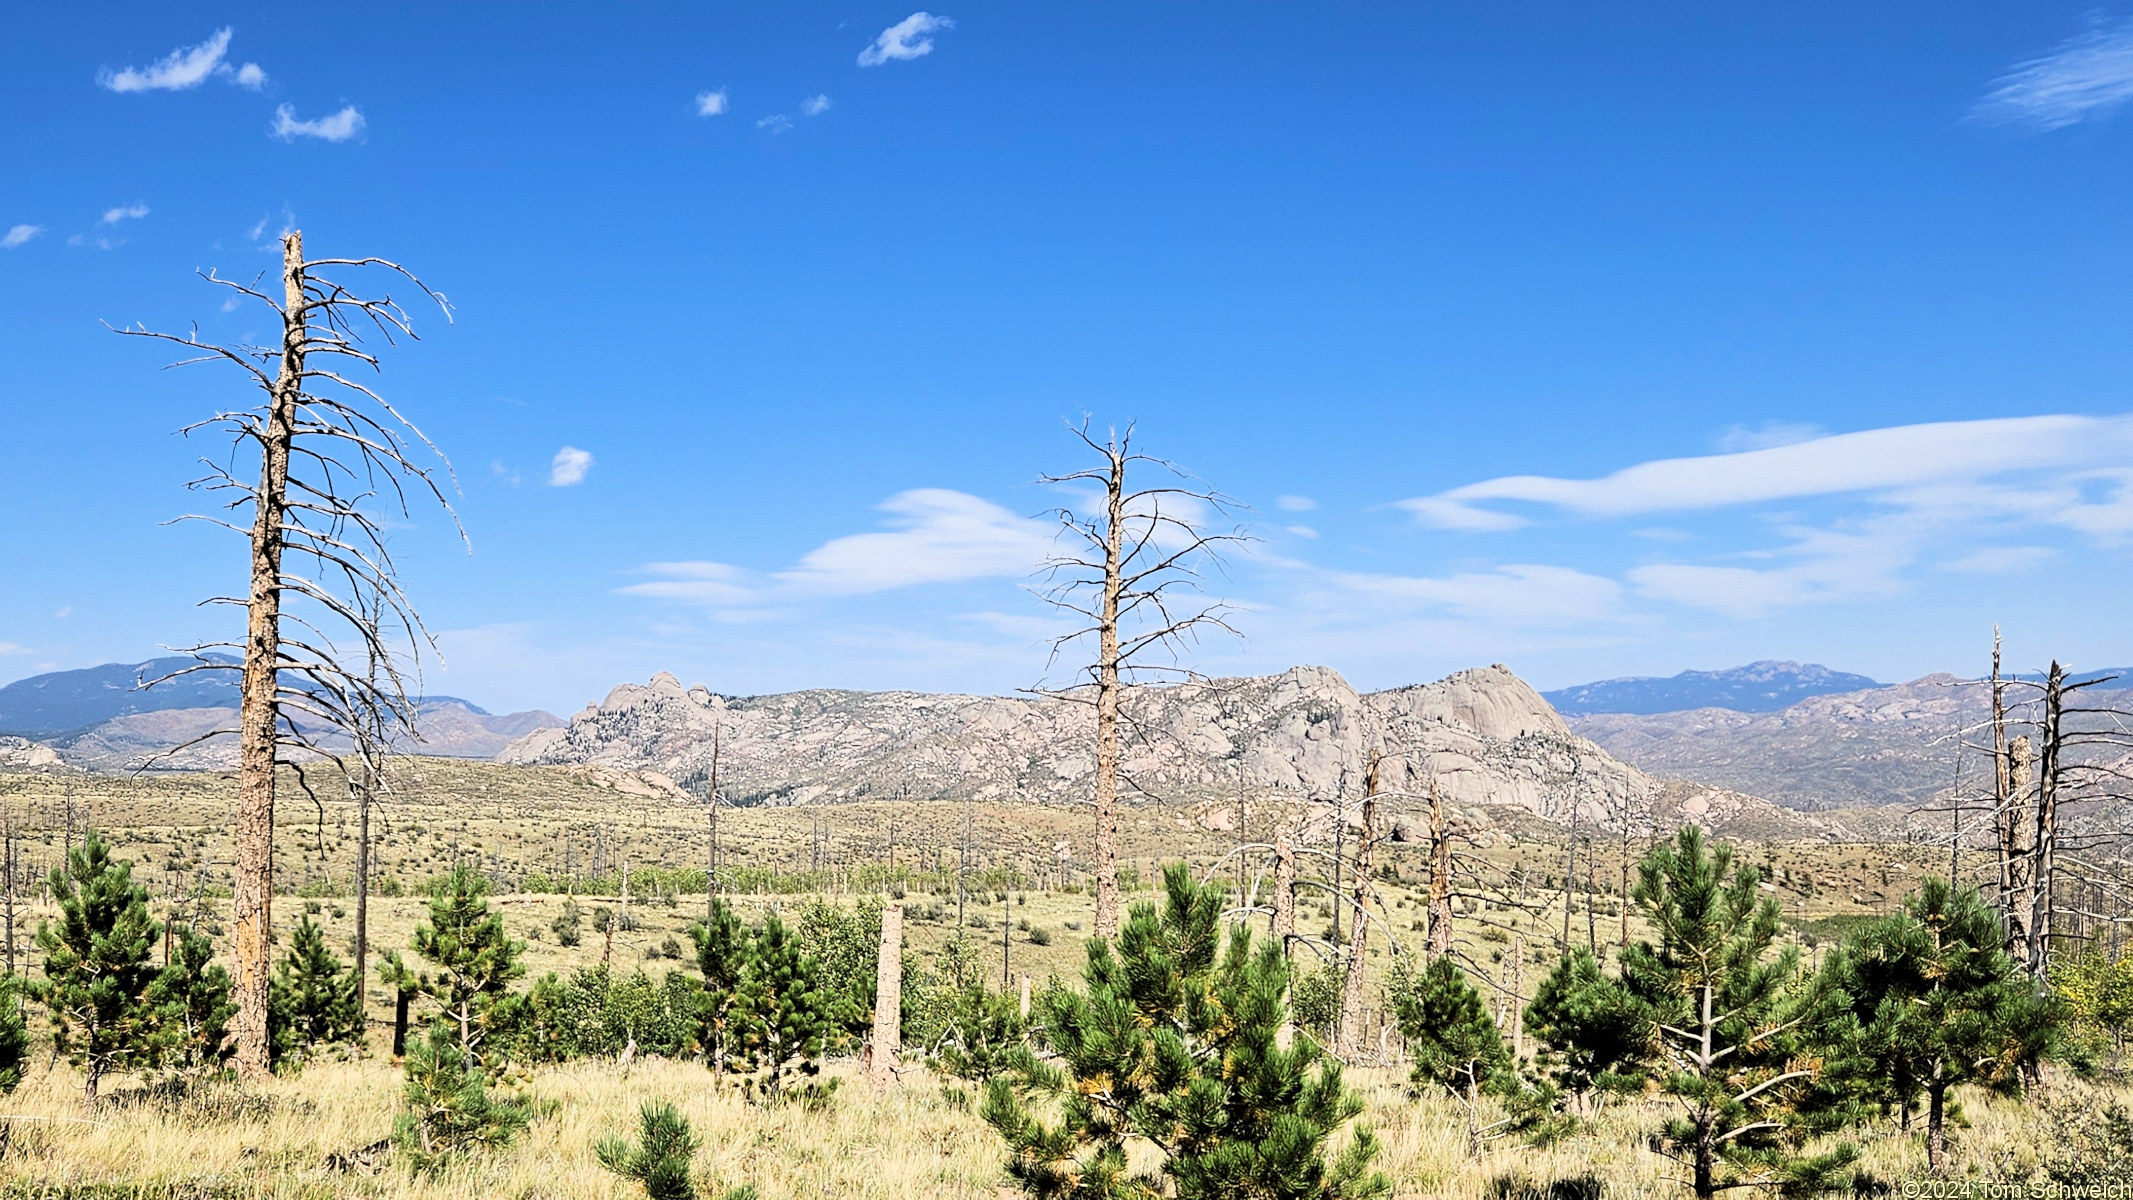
1481, 737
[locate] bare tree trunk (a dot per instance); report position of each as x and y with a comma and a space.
2045, 841
1440, 875
1107, 704
2018, 853
2003, 798
887, 1046
1284, 926
1518, 996
10, 867
362, 874
711, 852
252, 884
1348, 1043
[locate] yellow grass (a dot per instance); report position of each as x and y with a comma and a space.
917, 1141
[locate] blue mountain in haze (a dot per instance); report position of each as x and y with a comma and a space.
45, 706
1765, 686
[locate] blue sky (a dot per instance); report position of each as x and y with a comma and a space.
1595, 340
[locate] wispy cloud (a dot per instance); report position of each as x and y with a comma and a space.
815, 106
934, 535
185, 67
907, 39
569, 467
2089, 75
18, 235
1295, 503
337, 127
711, 104
1302, 531
937, 536
1767, 436
775, 123
130, 212
1873, 460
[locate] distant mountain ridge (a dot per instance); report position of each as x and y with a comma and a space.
100, 719
1304, 736
1764, 686
59, 703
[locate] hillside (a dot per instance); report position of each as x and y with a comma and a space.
1482, 736
1885, 745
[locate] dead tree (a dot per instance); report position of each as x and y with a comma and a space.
334, 458
711, 850
1123, 574
1348, 1041
883, 1051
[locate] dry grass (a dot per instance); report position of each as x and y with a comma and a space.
918, 1141
915, 1142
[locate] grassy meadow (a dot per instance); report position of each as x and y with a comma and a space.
316, 1134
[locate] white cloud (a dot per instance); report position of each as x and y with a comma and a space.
1295, 503
2087, 75
711, 104
185, 67
569, 467
2000, 560
1302, 531
698, 582
18, 235
775, 123
130, 212
1871, 461
815, 106
337, 127
12, 648
906, 39
249, 76
1512, 594
939, 536
1767, 435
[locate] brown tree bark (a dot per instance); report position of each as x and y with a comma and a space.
1348, 1042
1107, 703
252, 884
887, 1046
1284, 926
2018, 852
1440, 876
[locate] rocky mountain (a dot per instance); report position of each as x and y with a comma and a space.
1482, 736
1884, 745
1765, 686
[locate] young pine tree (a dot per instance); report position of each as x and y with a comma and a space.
96, 969
1936, 1002
448, 1109
14, 1033
1457, 1047
1597, 1035
1731, 1022
1174, 1047
660, 1159
191, 998
722, 948
315, 1001
781, 1011
475, 961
